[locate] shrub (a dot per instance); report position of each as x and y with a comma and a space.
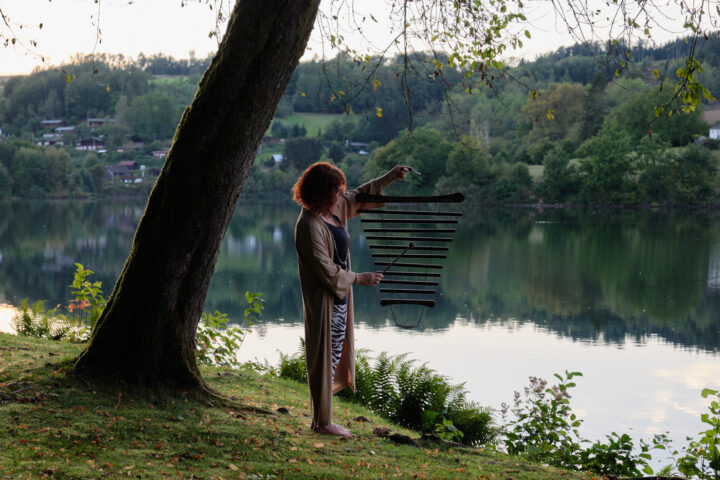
217, 343
37, 322
414, 397
545, 429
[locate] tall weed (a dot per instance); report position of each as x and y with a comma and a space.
545, 429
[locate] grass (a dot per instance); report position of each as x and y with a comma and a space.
314, 122
59, 426
536, 172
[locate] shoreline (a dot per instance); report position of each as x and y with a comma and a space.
7, 313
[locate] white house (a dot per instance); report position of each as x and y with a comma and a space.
715, 132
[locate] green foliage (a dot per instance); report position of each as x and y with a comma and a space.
561, 182
606, 168
425, 149
88, 300
514, 184
217, 342
545, 429
37, 322
701, 457
414, 397
301, 152
294, 366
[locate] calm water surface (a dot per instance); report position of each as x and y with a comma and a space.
631, 299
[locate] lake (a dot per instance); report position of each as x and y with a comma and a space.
631, 299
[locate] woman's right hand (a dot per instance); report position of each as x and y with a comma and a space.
369, 279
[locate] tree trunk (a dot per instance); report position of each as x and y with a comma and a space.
146, 333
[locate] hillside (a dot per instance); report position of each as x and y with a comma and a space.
61, 426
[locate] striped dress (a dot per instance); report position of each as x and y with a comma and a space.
338, 322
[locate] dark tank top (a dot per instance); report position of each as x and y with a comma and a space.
340, 256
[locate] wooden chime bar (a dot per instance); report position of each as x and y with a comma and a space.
407, 290
451, 198
407, 301
412, 212
405, 220
411, 265
409, 230
412, 239
416, 247
410, 255
410, 274
410, 282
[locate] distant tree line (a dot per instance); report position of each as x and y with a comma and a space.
584, 134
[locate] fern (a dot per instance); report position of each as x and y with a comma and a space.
415, 397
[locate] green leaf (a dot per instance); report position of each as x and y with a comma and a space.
708, 391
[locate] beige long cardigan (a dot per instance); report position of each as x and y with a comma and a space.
321, 281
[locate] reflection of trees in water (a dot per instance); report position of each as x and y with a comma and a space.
635, 273
583, 276
42, 240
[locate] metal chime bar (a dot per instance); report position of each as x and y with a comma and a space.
405, 220
410, 255
413, 239
451, 198
415, 265
406, 290
410, 274
416, 247
410, 282
406, 301
409, 230
412, 212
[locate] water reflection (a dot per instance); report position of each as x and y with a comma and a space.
612, 277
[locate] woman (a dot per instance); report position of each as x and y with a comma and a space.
323, 250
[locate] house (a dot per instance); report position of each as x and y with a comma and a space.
51, 139
53, 123
90, 143
269, 140
715, 132
356, 146
129, 164
95, 122
159, 154
116, 173
64, 130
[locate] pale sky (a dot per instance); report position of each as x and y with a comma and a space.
130, 27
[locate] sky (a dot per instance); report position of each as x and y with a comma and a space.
130, 27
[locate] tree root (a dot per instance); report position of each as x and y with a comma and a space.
216, 398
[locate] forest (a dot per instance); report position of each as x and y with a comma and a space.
570, 127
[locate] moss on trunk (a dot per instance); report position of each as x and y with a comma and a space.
147, 331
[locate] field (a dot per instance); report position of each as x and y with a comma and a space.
314, 122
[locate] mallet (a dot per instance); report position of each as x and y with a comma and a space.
410, 245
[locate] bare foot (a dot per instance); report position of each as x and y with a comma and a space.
335, 429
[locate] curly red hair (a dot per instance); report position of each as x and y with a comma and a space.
316, 188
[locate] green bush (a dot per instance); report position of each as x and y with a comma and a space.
545, 429
414, 397
702, 457
217, 343
37, 322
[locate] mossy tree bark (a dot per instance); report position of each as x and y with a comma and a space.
146, 333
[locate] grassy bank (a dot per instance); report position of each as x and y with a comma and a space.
59, 426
